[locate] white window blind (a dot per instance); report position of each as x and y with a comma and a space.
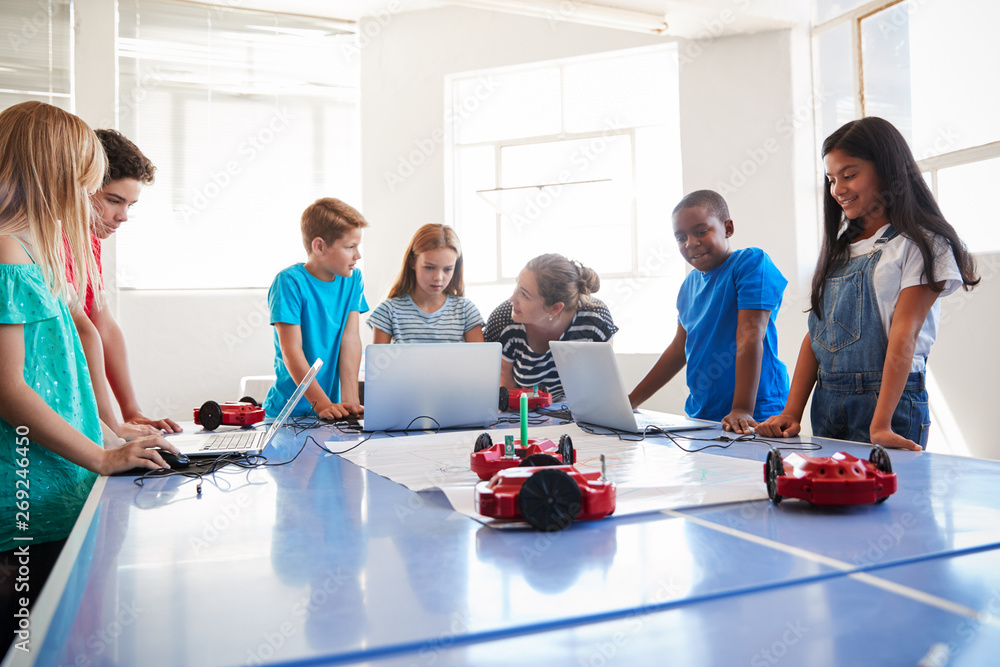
249, 118
36, 52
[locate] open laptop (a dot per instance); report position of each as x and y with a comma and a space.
241, 441
455, 384
596, 393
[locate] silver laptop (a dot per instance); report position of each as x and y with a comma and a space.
596, 393
431, 386
241, 441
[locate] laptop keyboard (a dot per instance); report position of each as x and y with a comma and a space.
237, 440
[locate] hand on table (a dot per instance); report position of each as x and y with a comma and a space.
779, 426
739, 421
887, 438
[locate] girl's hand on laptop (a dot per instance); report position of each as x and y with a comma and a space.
138, 453
165, 424
779, 426
739, 421
129, 431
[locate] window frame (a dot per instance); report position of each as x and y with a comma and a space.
452, 145
930, 165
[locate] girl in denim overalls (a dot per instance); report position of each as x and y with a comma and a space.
887, 255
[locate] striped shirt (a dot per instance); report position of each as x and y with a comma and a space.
406, 323
530, 368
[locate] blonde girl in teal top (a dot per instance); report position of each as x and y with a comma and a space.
50, 436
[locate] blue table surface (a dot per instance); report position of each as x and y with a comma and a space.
323, 562
826, 623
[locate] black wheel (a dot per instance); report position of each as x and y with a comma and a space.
550, 500
539, 460
566, 450
484, 441
504, 404
250, 400
210, 415
775, 468
880, 459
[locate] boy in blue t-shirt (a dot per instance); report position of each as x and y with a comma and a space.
725, 331
314, 310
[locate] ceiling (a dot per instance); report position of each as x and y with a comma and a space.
693, 19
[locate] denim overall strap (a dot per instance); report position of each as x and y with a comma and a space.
850, 345
850, 339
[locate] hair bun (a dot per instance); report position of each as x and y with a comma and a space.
589, 282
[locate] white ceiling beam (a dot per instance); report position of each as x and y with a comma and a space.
576, 12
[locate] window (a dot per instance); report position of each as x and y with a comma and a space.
580, 157
36, 52
920, 64
249, 117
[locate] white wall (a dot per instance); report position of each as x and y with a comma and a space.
965, 361
187, 347
746, 132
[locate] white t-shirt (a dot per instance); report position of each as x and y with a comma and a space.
902, 266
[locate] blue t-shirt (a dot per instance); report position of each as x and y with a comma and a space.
707, 307
406, 323
321, 309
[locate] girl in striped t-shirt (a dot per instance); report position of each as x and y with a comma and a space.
427, 303
550, 302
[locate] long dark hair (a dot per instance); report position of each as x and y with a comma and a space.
908, 202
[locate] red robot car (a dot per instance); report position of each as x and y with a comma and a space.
510, 399
212, 415
549, 498
488, 459
841, 479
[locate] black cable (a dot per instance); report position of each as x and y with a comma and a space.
348, 427
562, 412
298, 424
537, 420
302, 423
238, 460
437, 426
343, 451
656, 431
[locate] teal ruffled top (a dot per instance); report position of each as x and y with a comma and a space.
56, 368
